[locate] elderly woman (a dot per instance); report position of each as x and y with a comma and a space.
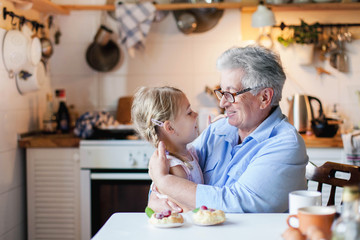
251, 159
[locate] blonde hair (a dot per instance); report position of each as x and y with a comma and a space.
154, 104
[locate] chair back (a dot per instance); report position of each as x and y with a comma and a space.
325, 174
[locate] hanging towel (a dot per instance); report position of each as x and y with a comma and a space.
134, 23
351, 142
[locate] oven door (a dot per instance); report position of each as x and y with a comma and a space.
114, 191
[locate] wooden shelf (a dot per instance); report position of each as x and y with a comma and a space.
244, 6
170, 6
308, 7
46, 6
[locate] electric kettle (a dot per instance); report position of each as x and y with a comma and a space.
301, 111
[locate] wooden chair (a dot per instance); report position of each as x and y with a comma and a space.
325, 174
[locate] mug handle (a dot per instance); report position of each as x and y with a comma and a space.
288, 220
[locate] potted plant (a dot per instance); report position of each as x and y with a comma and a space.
304, 37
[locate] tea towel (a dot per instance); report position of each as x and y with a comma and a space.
351, 142
134, 23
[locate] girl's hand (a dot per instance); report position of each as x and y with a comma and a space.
220, 116
161, 204
158, 164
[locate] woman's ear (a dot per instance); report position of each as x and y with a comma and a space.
168, 128
266, 96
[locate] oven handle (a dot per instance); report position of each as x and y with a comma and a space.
120, 176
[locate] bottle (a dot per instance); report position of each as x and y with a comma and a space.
347, 226
63, 116
74, 115
49, 120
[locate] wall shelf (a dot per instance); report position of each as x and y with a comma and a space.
245, 6
46, 6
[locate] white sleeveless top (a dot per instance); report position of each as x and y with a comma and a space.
195, 174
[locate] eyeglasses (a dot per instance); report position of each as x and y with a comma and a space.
230, 97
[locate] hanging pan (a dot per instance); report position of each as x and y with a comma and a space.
103, 54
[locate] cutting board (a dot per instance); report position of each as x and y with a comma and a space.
123, 112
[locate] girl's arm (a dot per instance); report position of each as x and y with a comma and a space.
179, 171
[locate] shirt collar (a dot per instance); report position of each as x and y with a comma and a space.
261, 133
264, 130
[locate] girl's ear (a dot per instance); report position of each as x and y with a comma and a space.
168, 128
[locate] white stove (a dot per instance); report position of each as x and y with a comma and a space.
114, 178
115, 154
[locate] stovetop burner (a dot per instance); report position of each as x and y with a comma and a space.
107, 134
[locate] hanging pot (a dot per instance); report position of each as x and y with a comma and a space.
46, 48
103, 54
206, 18
34, 46
30, 78
14, 50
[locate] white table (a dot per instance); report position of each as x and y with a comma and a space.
237, 226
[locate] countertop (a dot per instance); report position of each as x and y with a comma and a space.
41, 140
70, 140
247, 226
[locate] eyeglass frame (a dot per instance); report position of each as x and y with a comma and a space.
233, 95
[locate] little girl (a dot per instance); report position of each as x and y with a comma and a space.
164, 114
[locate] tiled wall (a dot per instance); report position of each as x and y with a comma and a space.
187, 62
18, 114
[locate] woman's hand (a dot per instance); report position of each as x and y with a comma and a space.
158, 164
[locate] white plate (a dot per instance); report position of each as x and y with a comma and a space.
208, 224
169, 225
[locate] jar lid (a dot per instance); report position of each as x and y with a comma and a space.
351, 193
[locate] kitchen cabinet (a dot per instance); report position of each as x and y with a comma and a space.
53, 196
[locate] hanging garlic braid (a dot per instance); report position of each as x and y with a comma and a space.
158, 103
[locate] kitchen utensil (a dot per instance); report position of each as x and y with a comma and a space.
186, 22
103, 54
123, 113
206, 18
46, 47
30, 78
301, 111
15, 50
34, 46
322, 128
341, 57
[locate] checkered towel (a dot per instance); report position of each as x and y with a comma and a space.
351, 142
134, 22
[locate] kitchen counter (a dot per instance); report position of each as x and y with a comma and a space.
41, 140
70, 140
315, 142
237, 226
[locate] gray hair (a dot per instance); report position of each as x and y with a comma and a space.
262, 68
151, 105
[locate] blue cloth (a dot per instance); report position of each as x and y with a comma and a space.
256, 175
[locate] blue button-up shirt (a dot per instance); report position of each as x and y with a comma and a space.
256, 175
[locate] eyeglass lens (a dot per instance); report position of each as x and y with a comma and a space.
228, 96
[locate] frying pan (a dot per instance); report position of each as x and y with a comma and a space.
103, 54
